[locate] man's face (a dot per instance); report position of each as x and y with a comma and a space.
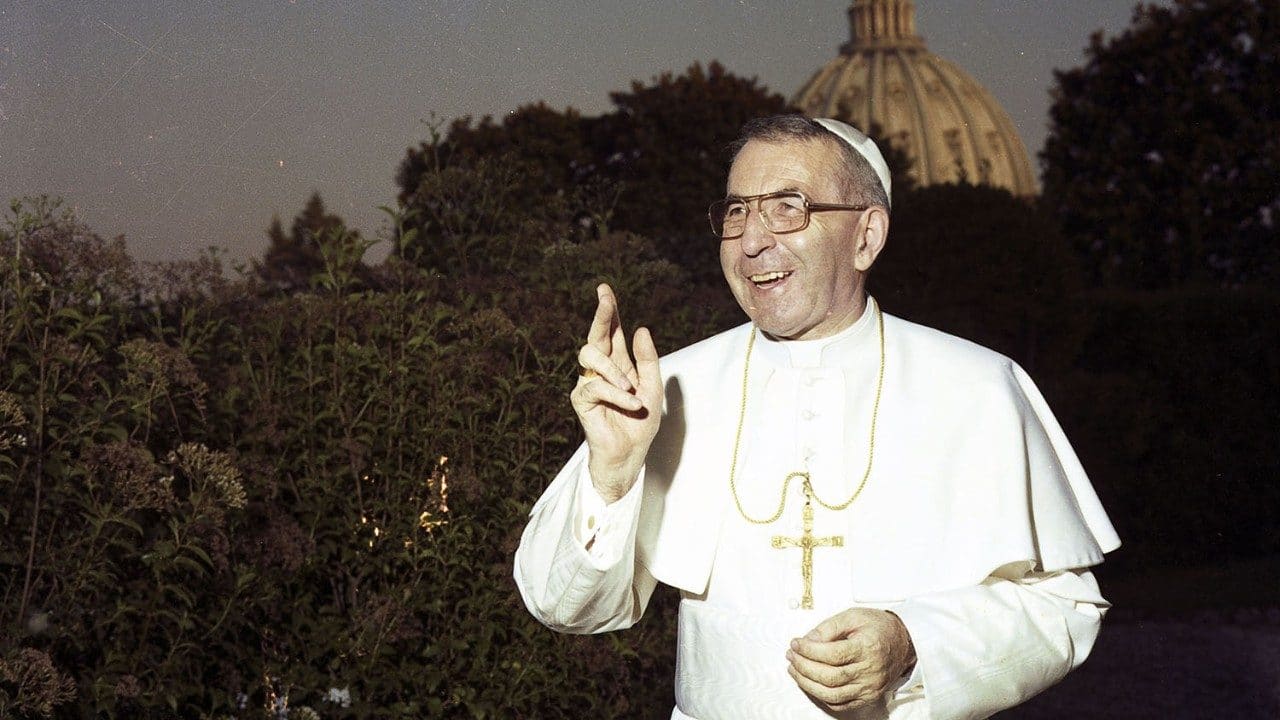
802, 285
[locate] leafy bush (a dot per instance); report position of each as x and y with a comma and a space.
1185, 454
225, 502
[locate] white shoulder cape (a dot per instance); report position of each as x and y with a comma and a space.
972, 471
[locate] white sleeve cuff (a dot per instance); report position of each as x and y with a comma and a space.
912, 684
984, 648
603, 529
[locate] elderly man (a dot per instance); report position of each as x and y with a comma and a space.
865, 518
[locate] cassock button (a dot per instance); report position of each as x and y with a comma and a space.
807, 414
793, 604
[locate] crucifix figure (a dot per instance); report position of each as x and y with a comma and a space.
807, 542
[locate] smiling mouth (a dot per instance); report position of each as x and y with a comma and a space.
769, 279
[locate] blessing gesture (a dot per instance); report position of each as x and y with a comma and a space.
618, 400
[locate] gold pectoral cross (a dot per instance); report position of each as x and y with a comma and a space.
807, 542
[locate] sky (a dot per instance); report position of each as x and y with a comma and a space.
190, 124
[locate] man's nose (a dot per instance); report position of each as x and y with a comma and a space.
756, 238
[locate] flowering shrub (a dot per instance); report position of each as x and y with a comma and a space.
219, 502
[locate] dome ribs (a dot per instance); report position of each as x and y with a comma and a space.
886, 81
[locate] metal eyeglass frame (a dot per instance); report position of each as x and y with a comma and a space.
809, 209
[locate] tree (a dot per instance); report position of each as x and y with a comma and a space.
666, 143
976, 261
480, 198
293, 260
550, 143
649, 167
673, 133
1164, 147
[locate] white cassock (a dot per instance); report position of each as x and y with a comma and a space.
975, 527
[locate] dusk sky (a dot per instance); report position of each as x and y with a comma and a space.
189, 124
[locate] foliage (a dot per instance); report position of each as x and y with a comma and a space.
616, 171
113, 505
552, 144
1185, 449
978, 262
299, 260
1165, 146
224, 504
465, 213
667, 144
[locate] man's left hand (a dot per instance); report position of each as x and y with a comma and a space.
853, 658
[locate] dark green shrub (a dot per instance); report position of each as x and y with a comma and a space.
217, 502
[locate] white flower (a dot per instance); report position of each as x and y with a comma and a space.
339, 696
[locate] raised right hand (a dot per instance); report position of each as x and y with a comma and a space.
618, 401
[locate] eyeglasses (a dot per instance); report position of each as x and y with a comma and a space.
781, 212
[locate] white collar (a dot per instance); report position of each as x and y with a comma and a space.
812, 353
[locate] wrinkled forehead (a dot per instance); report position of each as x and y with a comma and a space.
809, 166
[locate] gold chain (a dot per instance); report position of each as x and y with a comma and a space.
786, 483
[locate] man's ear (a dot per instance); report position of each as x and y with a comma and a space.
875, 232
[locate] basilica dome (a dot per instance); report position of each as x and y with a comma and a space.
886, 81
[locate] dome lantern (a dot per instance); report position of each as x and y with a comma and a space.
882, 23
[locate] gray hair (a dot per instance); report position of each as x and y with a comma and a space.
859, 179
